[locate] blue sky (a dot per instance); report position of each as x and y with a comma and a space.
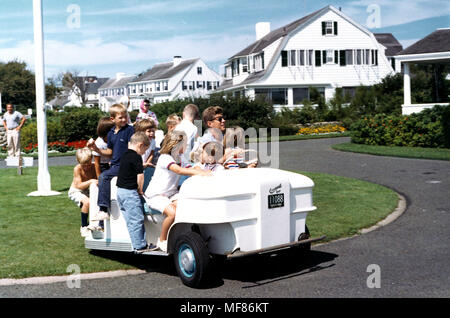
132, 35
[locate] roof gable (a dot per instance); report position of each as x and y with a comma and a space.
390, 42
117, 83
274, 35
438, 41
164, 70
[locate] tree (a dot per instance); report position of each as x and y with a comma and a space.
17, 85
51, 88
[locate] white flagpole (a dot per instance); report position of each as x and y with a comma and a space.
43, 178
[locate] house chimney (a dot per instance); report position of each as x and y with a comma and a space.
120, 75
262, 29
176, 60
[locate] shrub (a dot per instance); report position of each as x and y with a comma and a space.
240, 111
428, 128
28, 133
80, 123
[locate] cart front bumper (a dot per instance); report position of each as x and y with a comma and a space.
271, 249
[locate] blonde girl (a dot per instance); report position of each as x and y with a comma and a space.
161, 193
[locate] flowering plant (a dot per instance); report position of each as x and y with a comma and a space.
317, 129
59, 146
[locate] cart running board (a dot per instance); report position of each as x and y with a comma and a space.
158, 253
238, 253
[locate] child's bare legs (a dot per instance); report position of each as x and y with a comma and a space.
84, 216
168, 221
85, 206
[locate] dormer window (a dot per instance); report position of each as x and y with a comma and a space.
329, 28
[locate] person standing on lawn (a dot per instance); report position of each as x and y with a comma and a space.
13, 122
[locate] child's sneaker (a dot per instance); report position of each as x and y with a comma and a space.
101, 216
148, 248
84, 231
162, 245
152, 247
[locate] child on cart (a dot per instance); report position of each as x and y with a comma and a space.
162, 191
83, 176
129, 190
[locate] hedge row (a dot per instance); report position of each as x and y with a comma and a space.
429, 128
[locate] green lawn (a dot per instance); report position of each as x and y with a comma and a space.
301, 137
404, 152
39, 236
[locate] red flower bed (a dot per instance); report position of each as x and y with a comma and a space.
59, 146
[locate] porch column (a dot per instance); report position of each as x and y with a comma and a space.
290, 97
406, 85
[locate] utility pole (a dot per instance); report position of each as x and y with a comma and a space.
43, 178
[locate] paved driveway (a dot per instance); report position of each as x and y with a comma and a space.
412, 253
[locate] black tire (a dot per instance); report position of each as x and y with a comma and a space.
303, 236
298, 253
192, 260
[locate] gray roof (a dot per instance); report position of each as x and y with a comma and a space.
92, 88
390, 42
59, 100
438, 41
117, 83
164, 71
274, 35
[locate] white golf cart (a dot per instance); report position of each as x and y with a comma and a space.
233, 213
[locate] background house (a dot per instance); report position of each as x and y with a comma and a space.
78, 91
433, 49
393, 47
325, 50
114, 90
178, 79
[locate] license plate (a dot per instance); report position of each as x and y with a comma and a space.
276, 200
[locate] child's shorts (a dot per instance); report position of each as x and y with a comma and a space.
78, 195
161, 202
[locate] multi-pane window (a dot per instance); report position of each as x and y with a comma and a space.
329, 56
359, 57
199, 70
349, 57
258, 62
244, 62
329, 28
292, 57
278, 96
300, 94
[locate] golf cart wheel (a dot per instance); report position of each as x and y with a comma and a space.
303, 236
192, 259
298, 253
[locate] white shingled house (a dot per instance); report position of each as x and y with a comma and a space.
325, 49
181, 78
114, 90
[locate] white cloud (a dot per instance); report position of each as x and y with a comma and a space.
162, 7
398, 12
95, 51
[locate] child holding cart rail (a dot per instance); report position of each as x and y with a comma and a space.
101, 162
162, 191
